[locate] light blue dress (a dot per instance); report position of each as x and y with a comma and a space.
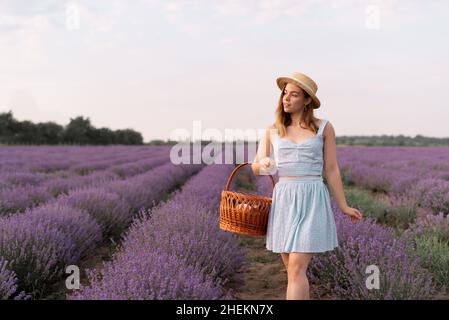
301, 217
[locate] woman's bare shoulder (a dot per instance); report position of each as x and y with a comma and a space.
318, 122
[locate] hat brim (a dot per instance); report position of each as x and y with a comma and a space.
281, 81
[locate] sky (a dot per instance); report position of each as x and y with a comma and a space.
163, 67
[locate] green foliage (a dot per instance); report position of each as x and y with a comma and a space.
79, 131
434, 255
365, 202
390, 140
399, 216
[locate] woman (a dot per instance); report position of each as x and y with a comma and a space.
301, 221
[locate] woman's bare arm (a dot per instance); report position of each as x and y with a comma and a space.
331, 170
332, 173
264, 150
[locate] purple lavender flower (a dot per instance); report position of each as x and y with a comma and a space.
107, 208
343, 271
8, 283
175, 250
40, 242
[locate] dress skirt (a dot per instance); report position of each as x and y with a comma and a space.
301, 217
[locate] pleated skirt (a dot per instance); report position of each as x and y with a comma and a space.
301, 217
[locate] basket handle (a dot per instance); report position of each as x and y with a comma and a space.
228, 184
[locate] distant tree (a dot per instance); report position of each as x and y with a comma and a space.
49, 133
157, 142
128, 136
78, 131
26, 133
8, 127
102, 136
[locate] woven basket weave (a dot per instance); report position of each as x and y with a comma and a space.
244, 213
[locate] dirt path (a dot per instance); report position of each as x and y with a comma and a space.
264, 273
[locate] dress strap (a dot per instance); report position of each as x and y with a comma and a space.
322, 125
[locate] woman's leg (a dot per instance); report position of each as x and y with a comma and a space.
298, 284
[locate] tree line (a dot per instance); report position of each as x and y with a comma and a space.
78, 131
392, 140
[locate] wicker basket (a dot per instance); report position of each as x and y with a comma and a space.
243, 213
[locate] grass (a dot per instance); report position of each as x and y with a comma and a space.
376, 206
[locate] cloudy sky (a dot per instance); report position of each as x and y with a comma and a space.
158, 66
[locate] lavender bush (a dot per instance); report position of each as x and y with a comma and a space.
402, 211
21, 179
144, 190
342, 271
8, 283
111, 212
430, 225
175, 250
21, 198
432, 193
43, 240
59, 186
39, 243
153, 274
137, 167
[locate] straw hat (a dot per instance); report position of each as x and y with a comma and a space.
303, 81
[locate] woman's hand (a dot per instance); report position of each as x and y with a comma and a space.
267, 163
353, 213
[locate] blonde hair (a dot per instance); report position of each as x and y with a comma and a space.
283, 119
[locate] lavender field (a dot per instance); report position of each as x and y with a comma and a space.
404, 193
59, 205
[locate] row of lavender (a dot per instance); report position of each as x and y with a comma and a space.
60, 158
22, 190
414, 175
16, 177
175, 250
36, 245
